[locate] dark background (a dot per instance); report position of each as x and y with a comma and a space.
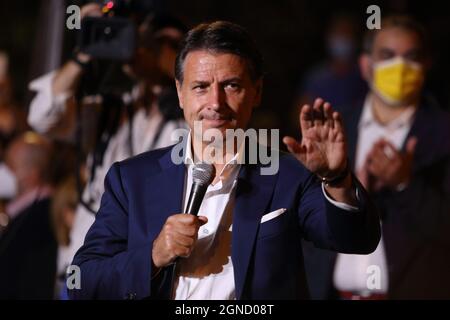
288, 32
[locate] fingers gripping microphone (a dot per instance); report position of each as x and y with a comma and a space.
202, 176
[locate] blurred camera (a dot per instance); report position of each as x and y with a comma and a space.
113, 36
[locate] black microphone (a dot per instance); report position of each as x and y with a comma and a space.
202, 176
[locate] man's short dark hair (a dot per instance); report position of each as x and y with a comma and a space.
221, 37
404, 22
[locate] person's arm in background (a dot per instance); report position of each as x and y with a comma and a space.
422, 202
412, 191
52, 111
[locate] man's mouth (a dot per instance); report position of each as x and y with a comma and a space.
216, 120
216, 117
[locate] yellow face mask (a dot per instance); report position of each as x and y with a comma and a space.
397, 80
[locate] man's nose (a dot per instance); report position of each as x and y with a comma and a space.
216, 97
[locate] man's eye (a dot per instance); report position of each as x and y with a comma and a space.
233, 86
415, 57
200, 87
386, 56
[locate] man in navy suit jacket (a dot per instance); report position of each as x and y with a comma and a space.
140, 230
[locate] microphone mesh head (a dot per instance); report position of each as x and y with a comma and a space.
203, 173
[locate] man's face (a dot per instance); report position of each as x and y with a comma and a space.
217, 90
391, 43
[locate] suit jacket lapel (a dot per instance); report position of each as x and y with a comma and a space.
425, 130
166, 195
253, 194
165, 198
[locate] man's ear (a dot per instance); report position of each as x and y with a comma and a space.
258, 92
180, 95
365, 66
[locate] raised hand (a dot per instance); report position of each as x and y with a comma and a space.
323, 148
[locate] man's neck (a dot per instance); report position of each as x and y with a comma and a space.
385, 113
198, 152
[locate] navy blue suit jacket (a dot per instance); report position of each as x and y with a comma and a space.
142, 192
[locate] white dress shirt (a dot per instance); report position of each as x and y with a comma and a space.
353, 272
208, 272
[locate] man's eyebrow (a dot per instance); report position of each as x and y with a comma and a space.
387, 50
230, 80
199, 82
414, 51
225, 81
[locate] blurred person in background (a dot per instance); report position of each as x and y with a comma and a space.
12, 123
28, 247
64, 203
337, 78
399, 148
120, 132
